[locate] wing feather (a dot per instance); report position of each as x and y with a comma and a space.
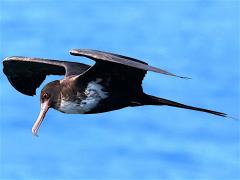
26, 74
119, 59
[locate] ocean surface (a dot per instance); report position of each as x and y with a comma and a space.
199, 39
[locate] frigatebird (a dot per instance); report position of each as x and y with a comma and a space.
113, 82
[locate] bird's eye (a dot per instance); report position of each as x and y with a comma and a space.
45, 96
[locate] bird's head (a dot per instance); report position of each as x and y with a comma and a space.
49, 98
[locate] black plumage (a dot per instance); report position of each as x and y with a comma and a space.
113, 82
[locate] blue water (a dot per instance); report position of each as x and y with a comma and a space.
199, 39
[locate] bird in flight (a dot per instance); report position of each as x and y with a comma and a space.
113, 82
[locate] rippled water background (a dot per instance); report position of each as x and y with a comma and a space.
191, 38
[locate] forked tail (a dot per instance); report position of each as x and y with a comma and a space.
152, 100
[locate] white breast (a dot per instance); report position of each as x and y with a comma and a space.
94, 92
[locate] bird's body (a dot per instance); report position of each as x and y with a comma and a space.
92, 97
114, 82
83, 99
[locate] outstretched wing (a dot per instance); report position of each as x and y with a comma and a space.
100, 56
26, 74
118, 73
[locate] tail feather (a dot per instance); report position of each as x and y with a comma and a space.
152, 100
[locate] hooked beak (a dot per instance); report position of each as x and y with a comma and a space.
44, 108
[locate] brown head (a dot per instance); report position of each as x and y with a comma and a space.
49, 98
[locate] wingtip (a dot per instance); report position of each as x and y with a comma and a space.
183, 77
233, 118
227, 116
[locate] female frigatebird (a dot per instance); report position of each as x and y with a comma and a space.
113, 82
